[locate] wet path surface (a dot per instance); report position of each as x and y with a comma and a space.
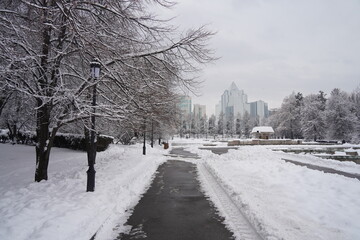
179, 151
174, 208
323, 169
219, 150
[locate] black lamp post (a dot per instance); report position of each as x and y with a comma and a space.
95, 72
152, 134
144, 143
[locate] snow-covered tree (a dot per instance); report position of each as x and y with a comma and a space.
254, 122
246, 124
183, 127
230, 125
340, 120
238, 125
46, 47
297, 113
221, 124
192, 125
312, 117
204, 126
5, 95
288, 117
212, 125
16, 114
355, 101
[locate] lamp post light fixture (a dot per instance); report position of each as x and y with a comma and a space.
95, 72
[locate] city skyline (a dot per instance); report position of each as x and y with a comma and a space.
273, 48
234, 103
233, 99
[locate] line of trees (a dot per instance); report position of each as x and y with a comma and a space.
45, 50
221, 126
316, 117
313, 117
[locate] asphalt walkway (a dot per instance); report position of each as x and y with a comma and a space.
174, 208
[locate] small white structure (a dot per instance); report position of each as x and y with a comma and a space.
262, 132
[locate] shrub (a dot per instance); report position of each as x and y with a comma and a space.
103, 142
62, 140
77, 141
4, 135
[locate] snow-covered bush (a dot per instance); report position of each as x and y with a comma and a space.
77, 141
72, 141
4, 135
61, 140
26, 137
127, 137
103, 142
22, 137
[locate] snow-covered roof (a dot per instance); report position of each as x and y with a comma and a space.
263, 129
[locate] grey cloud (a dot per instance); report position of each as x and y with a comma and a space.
271, 48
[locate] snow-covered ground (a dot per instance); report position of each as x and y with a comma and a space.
285, 201
60, 208
281, 200
345, 166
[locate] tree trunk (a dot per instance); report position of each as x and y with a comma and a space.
12, 131
43, 111
42, 135
42, 162
14, 135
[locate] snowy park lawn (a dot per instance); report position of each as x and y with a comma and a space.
285, 201
60, 208
282, 200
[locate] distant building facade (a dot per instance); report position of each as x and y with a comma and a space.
218, 110
199, 111
260, 109
262, 132
185, 105
234, 102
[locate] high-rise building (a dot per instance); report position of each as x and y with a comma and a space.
218, 110
260, 109
185, 105
234, 102
199, 111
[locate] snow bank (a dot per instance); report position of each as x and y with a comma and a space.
285, 201
60, 208
345, 166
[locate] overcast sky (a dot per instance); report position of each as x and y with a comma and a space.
271, 48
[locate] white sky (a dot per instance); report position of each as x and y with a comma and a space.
271, 48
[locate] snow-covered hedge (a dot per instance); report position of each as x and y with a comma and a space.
71, 141
62, 140
4, 135
77, 141
103, 142
26, 137
22, 137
